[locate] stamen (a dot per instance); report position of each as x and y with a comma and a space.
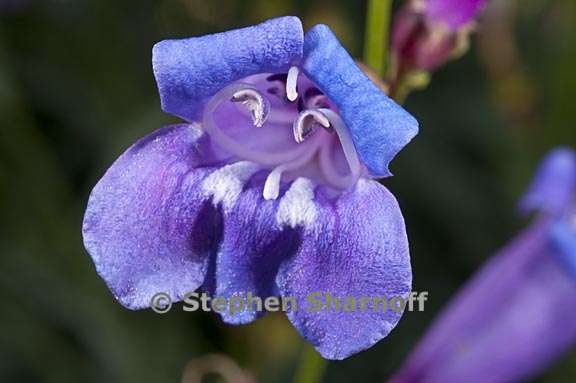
239, 149
306, 123
272, 184
257, 104
320, 157
291, 82
347, 147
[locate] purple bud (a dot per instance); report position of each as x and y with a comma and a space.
453, 13
427, 33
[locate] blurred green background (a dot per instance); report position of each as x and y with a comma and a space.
76, 89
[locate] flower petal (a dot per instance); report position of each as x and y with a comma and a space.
251, 252
355, 246
564, 236
554, 184
147, 227
380, 128
507, 324
191, 70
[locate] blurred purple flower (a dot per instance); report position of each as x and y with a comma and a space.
267, 190
516, 316
427, 33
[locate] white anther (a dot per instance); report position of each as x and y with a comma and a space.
257, 104
291, 82
272, 185
306, 122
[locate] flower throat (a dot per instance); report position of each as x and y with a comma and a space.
284, 123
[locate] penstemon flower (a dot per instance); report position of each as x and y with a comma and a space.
516, 316
427, 33
267, 189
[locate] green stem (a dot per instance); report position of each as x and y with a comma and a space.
376, 38
311, 367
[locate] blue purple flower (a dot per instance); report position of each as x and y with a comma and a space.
266, 189
515, 316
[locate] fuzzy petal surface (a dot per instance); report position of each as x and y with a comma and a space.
251, 252
380, 128
357, 247
147, 226
190, 71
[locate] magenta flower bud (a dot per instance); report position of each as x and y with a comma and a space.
427, 33
454, 14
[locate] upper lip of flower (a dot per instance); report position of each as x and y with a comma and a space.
378, 128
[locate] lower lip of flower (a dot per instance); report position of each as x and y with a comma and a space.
285, 124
